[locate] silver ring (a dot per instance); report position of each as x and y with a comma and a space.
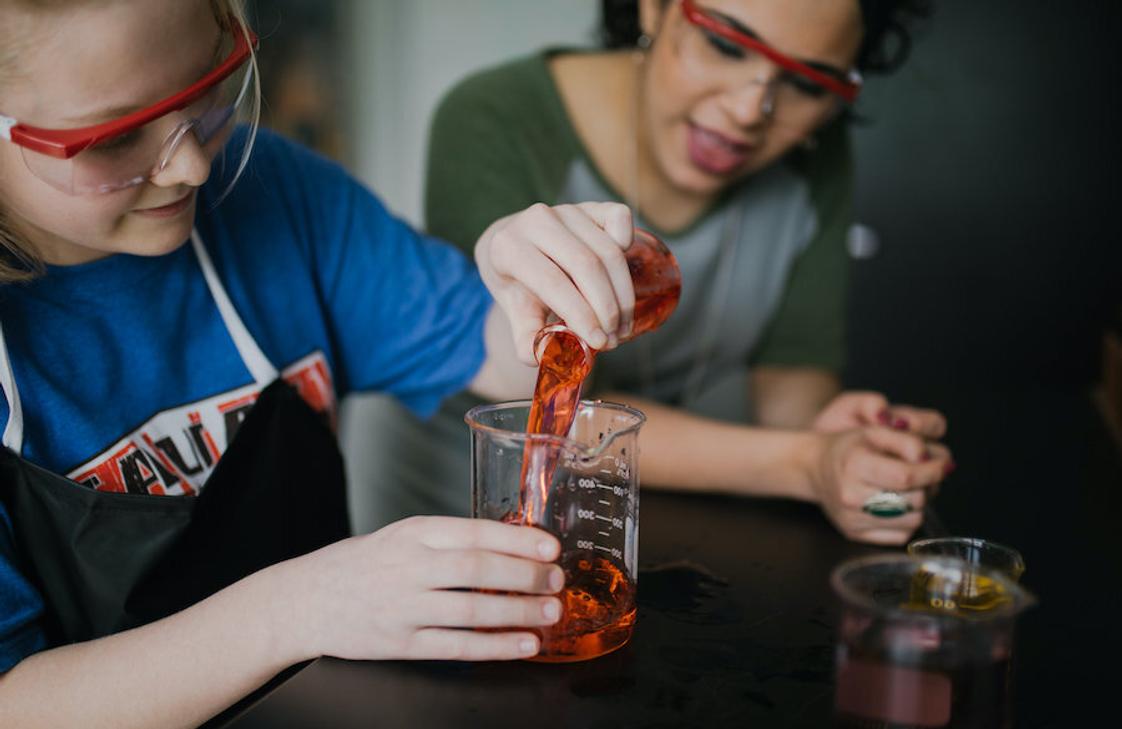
886, 505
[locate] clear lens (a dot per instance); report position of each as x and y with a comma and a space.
133, 157
788, 99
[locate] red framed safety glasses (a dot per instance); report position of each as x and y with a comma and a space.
845, 89
128, 150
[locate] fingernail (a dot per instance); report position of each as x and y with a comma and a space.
597, 339
900, 424
552, 611
883, 417
926, 456
557, 580
949, 468
528, 646
545, 549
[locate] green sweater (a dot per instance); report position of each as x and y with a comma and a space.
501, 141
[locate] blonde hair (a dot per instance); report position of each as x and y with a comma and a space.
18, 258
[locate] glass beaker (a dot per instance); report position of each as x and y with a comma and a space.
591, 504
910, 654
981, 552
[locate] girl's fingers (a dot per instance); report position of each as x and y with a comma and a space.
569, 249
484, 570
858, 494
525, 314
870, 407
613, 218
897, 443
923, 422
545, 279
469, 645
908, 522
893, 474
921, 463
610, 254
450, 532
940, 454
884, 537
445, 609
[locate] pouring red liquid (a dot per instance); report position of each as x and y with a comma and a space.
598, 601
566, 360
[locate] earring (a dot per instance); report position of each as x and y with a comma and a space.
643, 42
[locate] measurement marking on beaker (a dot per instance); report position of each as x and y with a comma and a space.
605, 502
606, 470
604, 534
603, 486
602, 549
604, 518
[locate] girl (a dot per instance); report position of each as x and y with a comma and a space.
723, 124
172, 345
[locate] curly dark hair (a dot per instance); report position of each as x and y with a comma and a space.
887, 42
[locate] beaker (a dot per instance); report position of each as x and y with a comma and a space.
590, 502
909, 654
981, 552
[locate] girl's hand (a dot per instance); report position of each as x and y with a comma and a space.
851, 410
858, 464
403, 592
566, 261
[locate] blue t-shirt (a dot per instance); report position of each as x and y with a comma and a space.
126, 359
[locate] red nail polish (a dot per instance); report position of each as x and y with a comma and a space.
926, 456
883, 417
900, 424
950, 467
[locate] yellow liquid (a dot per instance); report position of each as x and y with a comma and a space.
975, 593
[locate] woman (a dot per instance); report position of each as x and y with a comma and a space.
724, 126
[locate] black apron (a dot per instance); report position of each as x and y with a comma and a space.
106, 561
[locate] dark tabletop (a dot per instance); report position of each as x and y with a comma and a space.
736, 618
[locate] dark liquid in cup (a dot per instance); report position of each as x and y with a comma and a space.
875, 693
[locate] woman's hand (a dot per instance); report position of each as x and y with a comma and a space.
857, 464
851, 410
403, 592
566, 261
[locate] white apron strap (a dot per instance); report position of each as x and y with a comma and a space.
13, 431
255, 361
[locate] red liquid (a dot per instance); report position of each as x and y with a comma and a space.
564, 365
597, 608
657, 282
598, 601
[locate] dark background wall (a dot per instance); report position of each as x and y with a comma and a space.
990, 173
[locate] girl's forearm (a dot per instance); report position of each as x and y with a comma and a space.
176, 672
688, 452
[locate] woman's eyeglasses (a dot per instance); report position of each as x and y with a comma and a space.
716, 52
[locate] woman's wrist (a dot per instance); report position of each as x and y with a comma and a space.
805, 456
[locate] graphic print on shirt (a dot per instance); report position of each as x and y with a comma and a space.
175, 451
